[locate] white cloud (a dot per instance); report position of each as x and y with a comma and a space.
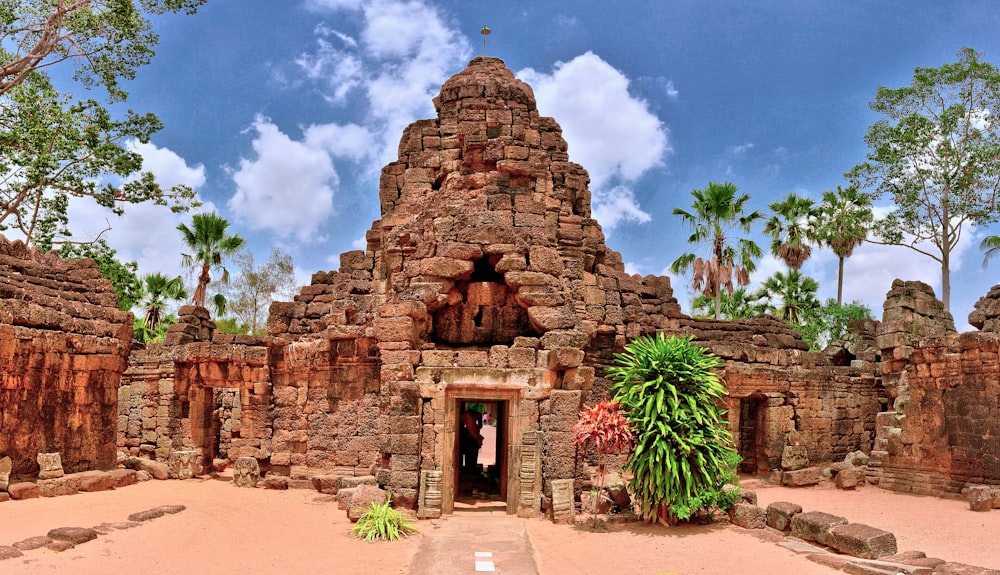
147, 233
404, 52
615, 206
610, 132
289, 187
671, 90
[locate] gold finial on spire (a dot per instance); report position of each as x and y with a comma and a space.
485, 32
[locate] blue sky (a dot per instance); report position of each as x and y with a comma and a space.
281, 114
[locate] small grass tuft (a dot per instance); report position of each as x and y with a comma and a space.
383, 523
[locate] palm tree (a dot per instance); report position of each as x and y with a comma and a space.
991, 247
845, 216
157, 290
790, 296
716, 211
741, 304
791, 227
208, 240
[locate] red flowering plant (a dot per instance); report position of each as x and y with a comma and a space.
605, 428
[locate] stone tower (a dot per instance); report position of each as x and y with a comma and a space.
487, 280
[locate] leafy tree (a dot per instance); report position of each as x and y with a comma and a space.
715, 212
741, 304
157, 291
791, 227
120, 274
108, 40
207, 239
53, 146
147, 335
683, 453
845, 216
828, 322
990, 246
251, 291
935, 155
790, 296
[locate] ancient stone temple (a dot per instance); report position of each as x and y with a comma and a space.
63, 348
486, 288
486, 281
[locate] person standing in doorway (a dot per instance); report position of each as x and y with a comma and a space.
470, 441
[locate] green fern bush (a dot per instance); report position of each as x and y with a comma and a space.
683, 452
383, 523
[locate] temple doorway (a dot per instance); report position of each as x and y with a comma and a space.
751, 424
481, 468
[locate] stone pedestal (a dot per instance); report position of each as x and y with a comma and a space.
562, 501
429, 503
185, 464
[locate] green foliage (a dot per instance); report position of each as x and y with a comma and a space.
716, 213
684, 450
789, 296
828, 322
53, 146
147, 335
383, 523
157, 291
206, 237
934, 153
991, 247
252, 289
791, 227
120, 274
107, 40
232, 326
845, 218
741, 304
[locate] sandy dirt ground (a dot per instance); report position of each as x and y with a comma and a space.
252, 531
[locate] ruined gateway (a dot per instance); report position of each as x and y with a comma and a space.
487, 281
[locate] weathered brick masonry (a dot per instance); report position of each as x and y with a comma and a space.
63, 348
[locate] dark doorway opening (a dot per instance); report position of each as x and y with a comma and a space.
751, 423
481, 468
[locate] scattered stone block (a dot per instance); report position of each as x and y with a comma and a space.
57, 487
4, 496
5, 466
344, 496
980, 498
23, 490
351, 482
963, 569
156, 469
32, 543
749, 496
91, 481
124, 477
801, 477
856, 458
60, 546
815, 525
328, 484
794, 457
617, 491
279, 482
362, 498
9, 553
748, 516
51, 466
850, 478
862, 541
780, 513
171, 509
74, 535
246, 472
146, 515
